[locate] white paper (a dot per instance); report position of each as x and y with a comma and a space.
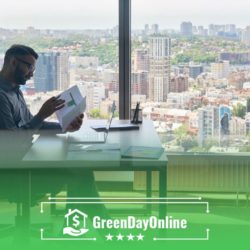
75, 104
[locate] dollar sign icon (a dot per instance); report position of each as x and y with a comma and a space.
76, 221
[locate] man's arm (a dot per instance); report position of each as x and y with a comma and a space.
7, 120
52, 105
6, 117
48, 108
36, 122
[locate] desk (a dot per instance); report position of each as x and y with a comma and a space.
50, 152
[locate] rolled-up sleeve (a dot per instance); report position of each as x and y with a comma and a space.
10, 110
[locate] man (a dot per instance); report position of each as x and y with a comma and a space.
19, 66
16, 119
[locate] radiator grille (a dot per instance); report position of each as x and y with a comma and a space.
202, 173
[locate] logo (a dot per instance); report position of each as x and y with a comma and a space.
129, 227
76, 223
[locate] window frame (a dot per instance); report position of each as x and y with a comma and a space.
124, 58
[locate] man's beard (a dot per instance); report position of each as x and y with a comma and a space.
19, 77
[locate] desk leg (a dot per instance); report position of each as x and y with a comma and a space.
27, 204
149, 189
162, 191
23, 217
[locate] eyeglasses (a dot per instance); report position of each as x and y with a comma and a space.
30, 66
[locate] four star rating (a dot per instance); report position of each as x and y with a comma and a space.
121, 237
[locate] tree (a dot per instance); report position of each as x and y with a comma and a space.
188, 143
181, 133
95, 113
210, 142
116, 114
239, 110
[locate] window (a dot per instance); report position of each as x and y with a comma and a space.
77, 43
190, 72
189, 63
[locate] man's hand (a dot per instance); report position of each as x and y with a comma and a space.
75, 124
50, 106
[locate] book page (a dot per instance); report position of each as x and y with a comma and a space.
75, 104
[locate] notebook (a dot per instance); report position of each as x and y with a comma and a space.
143, 152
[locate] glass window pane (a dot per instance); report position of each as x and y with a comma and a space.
77, 42
190, 72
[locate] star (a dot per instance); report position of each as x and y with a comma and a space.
109, 236
130, 237
119, 237
140, 237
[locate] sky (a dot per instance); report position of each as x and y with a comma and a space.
85, 14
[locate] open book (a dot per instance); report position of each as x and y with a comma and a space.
75, 104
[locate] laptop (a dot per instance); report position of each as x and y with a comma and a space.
91, 136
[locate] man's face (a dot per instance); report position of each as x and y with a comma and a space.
24, 69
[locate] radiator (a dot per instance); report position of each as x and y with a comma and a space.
202, 173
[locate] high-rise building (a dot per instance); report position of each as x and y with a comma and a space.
115, 31
211, 30
178, 84
202, 31
154, 29
63, 76
139, 83
215, 29
159, 68
146, 29
237, 127
45, 74
245, 36
95, 94
195, 70
112, 86
220, 69
186, 29
208, 120
231, 28
141, 60
52, 72
236, 57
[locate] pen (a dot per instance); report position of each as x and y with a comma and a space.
137, 112
135, 118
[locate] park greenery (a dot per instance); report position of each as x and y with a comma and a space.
95, 113
107, 52
239, 110
196, 49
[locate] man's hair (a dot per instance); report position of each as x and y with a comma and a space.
19, 50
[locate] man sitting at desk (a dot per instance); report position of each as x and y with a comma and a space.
19, 66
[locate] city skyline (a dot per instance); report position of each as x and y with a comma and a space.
88, 15
181, 91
